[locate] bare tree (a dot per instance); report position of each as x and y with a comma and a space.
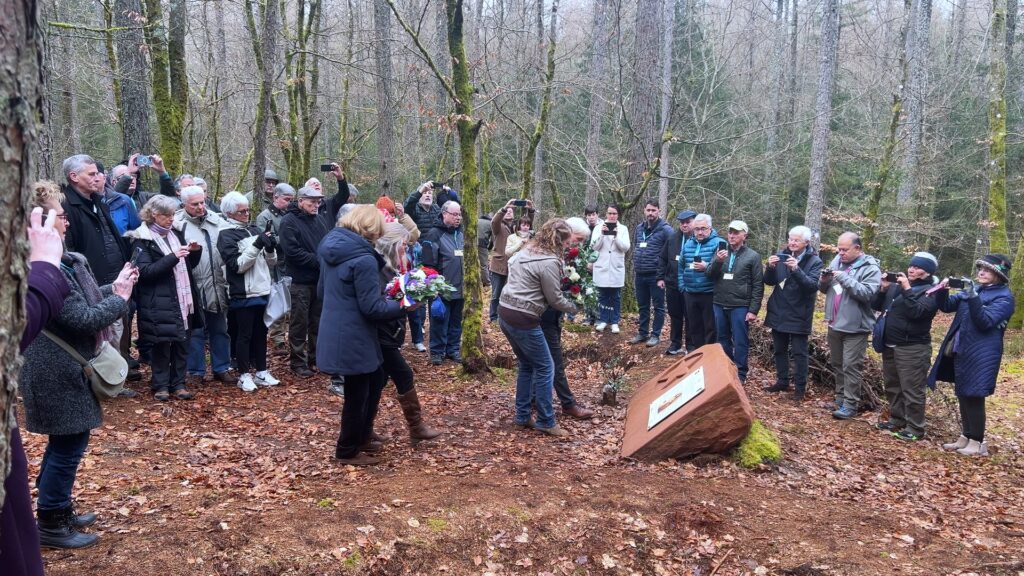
917, 54
598, 98
267, 56
134, 86
385, 95
827, 64
668, 37
642, 116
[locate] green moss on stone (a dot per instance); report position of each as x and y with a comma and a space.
760, 446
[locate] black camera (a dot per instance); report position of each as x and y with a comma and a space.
958, 283
891, 277
437, 185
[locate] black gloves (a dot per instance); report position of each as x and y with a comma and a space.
260, 242
270, 241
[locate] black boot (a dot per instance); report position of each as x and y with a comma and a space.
780, 386
57, 530
83, 520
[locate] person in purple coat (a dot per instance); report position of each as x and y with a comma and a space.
47, 289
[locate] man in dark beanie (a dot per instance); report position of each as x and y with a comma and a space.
908, 306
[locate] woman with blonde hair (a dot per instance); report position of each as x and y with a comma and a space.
534, 284
348, 346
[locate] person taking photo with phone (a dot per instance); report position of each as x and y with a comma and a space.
698, 252
503, 227
610, 242
738, 276
793, 273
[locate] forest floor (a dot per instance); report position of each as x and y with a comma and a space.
233, 483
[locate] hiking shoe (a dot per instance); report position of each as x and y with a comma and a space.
615, 328
457, 358
653, 341
844, 413
303, 372
337, 388
638, 339
959, 443
225, 377
888, 426
798, 395
908, 436
556, 431
601, 326
420, 347
777, 387
528, 424
265, 378
974, 448
246, 383
436, 360
674, 351
127, 392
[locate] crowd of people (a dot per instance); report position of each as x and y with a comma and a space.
195, 278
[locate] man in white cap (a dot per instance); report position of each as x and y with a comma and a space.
738, 275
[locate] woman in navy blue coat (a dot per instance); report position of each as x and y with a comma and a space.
348, 345
973, 347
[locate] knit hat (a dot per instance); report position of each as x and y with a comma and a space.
925, 261
385, 203
997, 263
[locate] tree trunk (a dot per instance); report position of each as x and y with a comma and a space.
108, 43
917, 59
642, 117
134, 85
821, 131
268, 52
533, 152
998, 238
71, 135
22, 91
167, 96
386, 105
666, 103
598, 99
791, 98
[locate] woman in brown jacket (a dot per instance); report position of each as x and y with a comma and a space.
503, 225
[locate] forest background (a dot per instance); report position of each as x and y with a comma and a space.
897, 118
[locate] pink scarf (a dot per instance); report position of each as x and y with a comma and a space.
170, 245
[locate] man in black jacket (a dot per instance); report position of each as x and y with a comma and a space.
442, 250
668, 279
648, 239
908, 306
794, 273
305, 224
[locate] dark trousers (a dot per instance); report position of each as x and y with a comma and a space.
304, 324
250, 339
972, 415
446, 333
482, 255
700, 320
416, 320
498, 282
168, 361
58, 469
905, 374
675, 302
648, 296
19, 535
396, 368
362, 396
551, 325
788, 346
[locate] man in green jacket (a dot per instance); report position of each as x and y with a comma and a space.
738, 275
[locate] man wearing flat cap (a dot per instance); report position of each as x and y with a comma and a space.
670, 280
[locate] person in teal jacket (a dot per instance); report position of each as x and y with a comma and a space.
698, 253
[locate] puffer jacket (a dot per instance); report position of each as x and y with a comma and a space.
746, 287
209, 273
668, 261
910, 313
791, 305
851, 311
248, 268
980, 324
443, 251
300, 236
647, 244
350, 288
695, 282
156, 294
58, 398
610, 267
122, 210
424, 217
534, 284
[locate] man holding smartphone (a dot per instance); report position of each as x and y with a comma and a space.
648, 239
698, 287
738, 275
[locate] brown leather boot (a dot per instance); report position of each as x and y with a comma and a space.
410, 403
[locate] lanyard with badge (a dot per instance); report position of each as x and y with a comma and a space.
728, 272
457, 251
644, 237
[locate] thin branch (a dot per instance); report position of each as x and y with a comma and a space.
426, 55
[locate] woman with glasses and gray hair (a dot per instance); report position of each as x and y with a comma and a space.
248, 254
166, 295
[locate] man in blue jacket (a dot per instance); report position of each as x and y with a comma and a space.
442, 250
648, 239
698, 252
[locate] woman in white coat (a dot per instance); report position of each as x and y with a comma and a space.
610, 242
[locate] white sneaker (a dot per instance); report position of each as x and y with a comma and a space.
974, 448
615, 328
264, 378
961, 442
246, 384
601, 326
420, 347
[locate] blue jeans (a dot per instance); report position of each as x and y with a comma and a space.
416, 319
731, 325
498, 282
58, 469
609, 305
220, 345
536, 374
647, 293
446, 334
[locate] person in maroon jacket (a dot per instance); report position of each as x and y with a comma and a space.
47, 289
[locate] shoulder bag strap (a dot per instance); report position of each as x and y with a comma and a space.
67, 347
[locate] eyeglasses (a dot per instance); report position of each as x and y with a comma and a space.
314, 200
63, 216
702, 228
454, 213
243, 211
